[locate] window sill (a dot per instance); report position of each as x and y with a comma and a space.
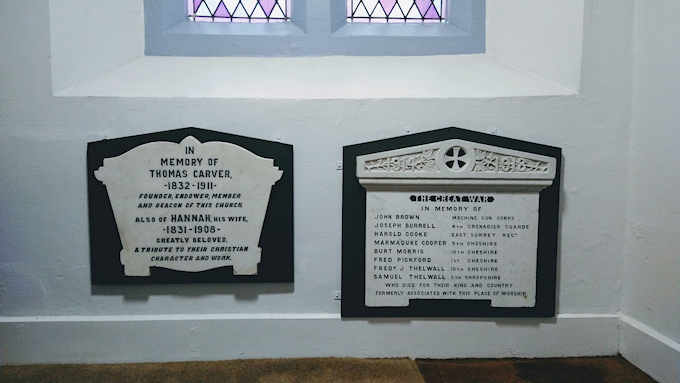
334, 77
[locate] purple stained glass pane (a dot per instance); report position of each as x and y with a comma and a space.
423, 6
267, 6
431, 13
197, 3
388, 5
221, 11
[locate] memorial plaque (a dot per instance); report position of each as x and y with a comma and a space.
190, 206
451, 227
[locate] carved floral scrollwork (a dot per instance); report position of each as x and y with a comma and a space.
487, 161
415, 162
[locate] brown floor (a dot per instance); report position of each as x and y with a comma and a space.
563, 370
614, 369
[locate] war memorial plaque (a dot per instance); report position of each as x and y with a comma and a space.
460, 224
190, 206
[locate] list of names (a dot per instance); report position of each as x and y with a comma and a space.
465, 246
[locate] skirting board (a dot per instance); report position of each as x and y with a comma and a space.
125, 339
650, 351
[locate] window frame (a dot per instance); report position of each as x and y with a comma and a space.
316, 28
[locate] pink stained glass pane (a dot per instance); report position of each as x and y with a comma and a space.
238, 10
395, 10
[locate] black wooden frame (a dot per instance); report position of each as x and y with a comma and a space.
276, 240
354, 235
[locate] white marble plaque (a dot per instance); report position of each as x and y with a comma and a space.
452, 220
190, 206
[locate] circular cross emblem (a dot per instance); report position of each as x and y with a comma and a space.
456, 158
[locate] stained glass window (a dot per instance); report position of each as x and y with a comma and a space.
238, 10
382, 11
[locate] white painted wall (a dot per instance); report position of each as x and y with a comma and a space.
652, 272
74, 40
45, 295
651, 279
542, 37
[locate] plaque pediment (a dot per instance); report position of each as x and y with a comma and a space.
456, 162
